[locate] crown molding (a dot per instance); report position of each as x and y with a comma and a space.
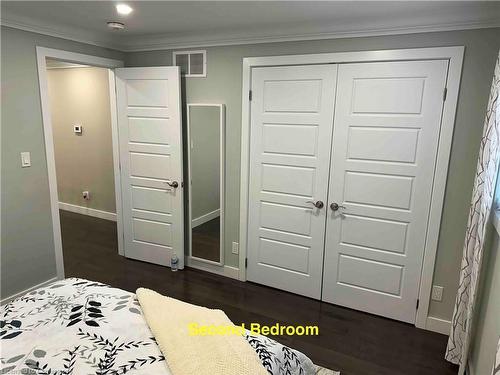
152, 43
238, 37
75, 35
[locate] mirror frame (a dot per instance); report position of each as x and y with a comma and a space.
222, 128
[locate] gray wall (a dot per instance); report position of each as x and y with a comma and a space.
223, 85
85, 161
204, 133
486, 332
27, 248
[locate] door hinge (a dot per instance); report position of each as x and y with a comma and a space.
445, 93
418, 302
250, 95
246, 262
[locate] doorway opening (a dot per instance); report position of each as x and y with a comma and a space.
78, 103
80, 110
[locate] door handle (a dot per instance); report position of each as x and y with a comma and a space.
173, 184
317, 204
335, 206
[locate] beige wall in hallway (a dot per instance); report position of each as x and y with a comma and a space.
83, 162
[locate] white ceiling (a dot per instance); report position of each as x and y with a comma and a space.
177, 24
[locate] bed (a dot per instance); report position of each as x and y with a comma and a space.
77, 326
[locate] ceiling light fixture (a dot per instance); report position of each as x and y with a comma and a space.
123, 9
116, 25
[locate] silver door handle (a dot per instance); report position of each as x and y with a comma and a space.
317, 204
335, 206
173, 184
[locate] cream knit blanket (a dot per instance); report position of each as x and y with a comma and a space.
186, 354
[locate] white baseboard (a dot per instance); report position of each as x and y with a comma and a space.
87, 211
204, 218
228, 271
19, 294
438, 325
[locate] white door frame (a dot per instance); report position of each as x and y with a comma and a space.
41, 54
222, 161
455, 57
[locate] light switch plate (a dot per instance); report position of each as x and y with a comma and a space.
25, 159
437, 293
78, 129
235, 249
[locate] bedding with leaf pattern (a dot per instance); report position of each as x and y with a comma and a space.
77, 326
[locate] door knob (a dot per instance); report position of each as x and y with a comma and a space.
335, 206
173, 184
317, 204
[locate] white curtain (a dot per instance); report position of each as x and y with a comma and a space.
482, 199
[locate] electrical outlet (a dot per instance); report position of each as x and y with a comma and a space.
86, 195
235, 248
437, 293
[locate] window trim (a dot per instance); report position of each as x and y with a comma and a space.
189, 53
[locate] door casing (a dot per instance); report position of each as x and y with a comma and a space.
455, 57
42, 53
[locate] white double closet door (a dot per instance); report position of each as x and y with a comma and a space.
342, 160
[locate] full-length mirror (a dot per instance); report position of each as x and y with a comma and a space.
206, 126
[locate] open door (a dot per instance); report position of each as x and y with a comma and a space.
150, 136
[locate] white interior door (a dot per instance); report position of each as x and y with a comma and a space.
291, 129
149, 127
387, 124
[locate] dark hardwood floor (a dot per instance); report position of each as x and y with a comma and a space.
206, 242
350, 341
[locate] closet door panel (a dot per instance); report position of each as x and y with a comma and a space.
291, 130
386, 132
